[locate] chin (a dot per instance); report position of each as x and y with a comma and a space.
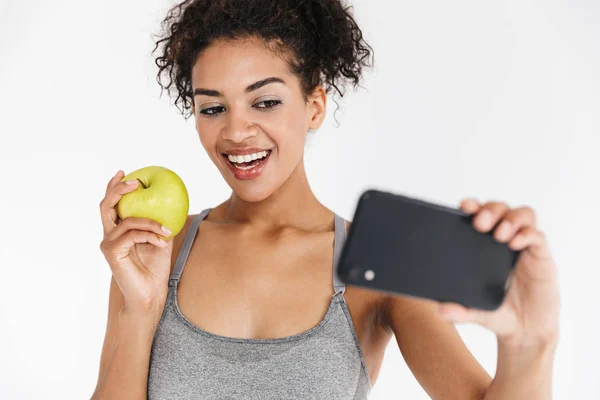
252, 195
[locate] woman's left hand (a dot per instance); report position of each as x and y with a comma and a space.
529, 312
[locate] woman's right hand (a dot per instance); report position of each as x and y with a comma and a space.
140, 263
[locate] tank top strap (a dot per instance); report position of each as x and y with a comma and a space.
186, 246
338, 244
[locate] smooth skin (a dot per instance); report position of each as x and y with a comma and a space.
273, 229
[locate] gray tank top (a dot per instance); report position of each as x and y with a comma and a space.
323, 363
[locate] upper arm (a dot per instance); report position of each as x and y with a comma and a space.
116, 302
434, 350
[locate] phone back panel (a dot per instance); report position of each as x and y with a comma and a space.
426, 250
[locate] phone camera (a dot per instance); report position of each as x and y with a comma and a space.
354, 272
369, 275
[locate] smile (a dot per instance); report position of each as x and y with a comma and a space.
247, 166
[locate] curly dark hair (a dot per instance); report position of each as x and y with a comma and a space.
319, 39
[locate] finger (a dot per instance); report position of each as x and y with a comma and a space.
488, 215
116, 179
120, 247
141, 224
455, 312
499, 321
532, 239
113, 181
513, 221
107, 205
534, 245
470, 205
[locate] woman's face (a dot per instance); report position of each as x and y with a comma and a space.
235, 114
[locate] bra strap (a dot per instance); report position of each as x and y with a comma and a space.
338, 244
186, 246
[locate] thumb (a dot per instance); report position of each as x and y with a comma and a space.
455, 312
500, 321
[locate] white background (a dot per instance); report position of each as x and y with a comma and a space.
497, 100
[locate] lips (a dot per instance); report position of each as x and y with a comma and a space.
249, 173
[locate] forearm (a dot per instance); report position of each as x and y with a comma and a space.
126, 376
523, 372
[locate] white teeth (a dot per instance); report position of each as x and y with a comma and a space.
247, 157
244, 168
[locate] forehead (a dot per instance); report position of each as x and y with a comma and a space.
237, 63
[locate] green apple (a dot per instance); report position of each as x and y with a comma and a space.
160, 196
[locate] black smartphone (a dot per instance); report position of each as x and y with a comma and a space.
406, 246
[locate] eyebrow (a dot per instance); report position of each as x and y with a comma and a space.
251, 88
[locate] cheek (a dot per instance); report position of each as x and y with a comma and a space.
208, 139
289, 131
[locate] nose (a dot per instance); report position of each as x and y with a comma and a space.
238, 126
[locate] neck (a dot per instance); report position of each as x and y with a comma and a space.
293, 205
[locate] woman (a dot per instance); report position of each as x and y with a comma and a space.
257, 311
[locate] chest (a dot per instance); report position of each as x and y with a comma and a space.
256, 287
246, 287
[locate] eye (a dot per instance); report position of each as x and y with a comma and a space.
269, 103
210, 111
213, 111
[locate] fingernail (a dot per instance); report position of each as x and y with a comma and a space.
166, 230
132, 182
503, 230
485, 217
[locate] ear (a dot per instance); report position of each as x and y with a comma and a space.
316, 107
